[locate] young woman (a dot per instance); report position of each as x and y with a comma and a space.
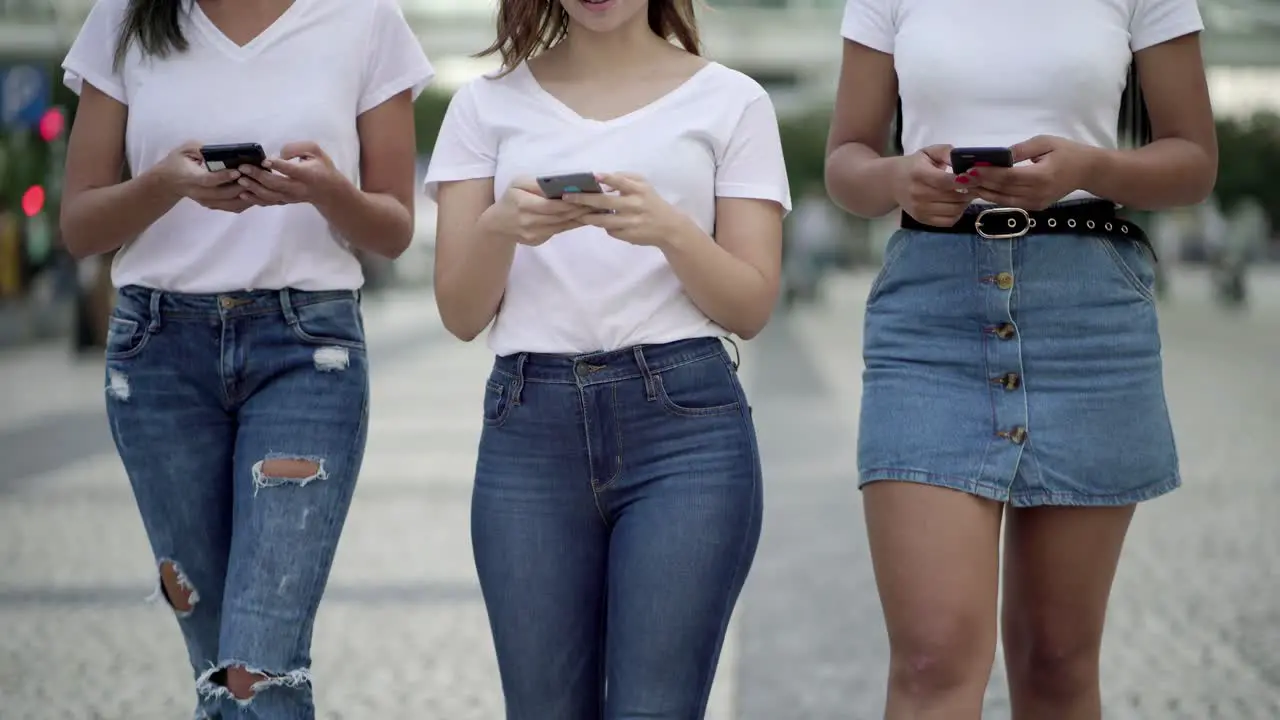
237, 381
1012, 355
618, 497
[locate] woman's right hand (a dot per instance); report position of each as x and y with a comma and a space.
927, 191
184, 173
527, 217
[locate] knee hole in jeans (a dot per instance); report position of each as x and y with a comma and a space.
177, 588
277, 470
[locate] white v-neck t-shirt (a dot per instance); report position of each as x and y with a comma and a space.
715, 136
305, 78
992, 73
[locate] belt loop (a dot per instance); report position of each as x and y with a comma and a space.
737, 353
154, 310
650, 392
517, 388
286, 307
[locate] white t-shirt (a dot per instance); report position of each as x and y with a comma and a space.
306, 78
583, 291
993, 73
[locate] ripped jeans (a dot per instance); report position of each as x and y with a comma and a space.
241, 420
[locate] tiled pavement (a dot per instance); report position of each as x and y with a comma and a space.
1194, 630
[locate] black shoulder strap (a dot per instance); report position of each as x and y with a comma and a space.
1134, 124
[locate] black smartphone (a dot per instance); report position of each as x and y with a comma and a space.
230, 157
967, 158
555, 186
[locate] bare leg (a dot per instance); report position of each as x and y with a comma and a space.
1059, 564
936, 557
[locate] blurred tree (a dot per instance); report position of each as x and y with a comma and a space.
1248, 153
804, 144
428, 116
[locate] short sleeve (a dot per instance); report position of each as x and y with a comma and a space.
465, 148
395, 62
752, 165
93, 54
1157, 21
870, 23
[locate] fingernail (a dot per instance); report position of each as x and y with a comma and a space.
245, 183
235, 174
962, 179
982, 163
266, 163
973, 173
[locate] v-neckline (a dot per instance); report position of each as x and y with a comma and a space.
251, 48
576, 117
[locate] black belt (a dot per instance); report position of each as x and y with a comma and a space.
997, 223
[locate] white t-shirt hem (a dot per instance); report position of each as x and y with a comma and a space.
75, 76
455, 173
416, 82
875, 43
745, 191
1164, 35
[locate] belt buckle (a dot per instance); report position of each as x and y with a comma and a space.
1013, 214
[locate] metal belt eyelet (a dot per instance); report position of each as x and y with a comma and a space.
1124, 229
1012, 222
1108, 227
1071, 222
1033, 223
1089, 224
1053, 222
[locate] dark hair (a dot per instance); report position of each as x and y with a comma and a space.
527, 27
156, 25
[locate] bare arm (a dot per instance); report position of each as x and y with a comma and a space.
378, 215
858, 177
99, 212
1181, 165
734, 278
472, 262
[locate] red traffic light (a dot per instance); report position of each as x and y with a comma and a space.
52, 124
33, 201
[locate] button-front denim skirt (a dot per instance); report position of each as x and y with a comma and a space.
1025, 371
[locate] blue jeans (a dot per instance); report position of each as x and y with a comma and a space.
209, 396
615, 516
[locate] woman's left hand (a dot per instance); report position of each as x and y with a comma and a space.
1058, 167
300, 174
636, 213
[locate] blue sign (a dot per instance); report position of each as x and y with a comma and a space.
24, 95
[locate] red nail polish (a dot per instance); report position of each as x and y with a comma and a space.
982, 163
962, 179
973, 173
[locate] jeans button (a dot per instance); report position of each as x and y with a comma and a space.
1010, 381
1004, 280
1004, 331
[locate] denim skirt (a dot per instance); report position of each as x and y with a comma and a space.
1025, 371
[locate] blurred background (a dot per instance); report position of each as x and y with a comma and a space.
1195, 627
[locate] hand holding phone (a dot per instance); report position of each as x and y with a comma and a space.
555, 186
964, 159
231, 157
526, 216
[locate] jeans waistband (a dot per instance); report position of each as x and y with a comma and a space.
159, 304
640, 361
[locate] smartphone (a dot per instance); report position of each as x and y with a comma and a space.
224, 157
967, 158
555, 186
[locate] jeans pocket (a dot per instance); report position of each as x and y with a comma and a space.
700, 388
1134, 264
497, 401
331, 322
125, 338
892, 252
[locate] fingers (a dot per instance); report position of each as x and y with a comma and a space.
939, 214
298, 150
1032, 148
600, 201
624, 182
527, 184
940, 155
254, 190
220, 193
217, 179
274, 182
231, 206
300, 171
539, 205
935, 179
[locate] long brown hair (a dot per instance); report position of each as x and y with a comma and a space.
527, 27
156, 25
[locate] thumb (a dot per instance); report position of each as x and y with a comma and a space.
939, 154
297, 150
1032, 149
